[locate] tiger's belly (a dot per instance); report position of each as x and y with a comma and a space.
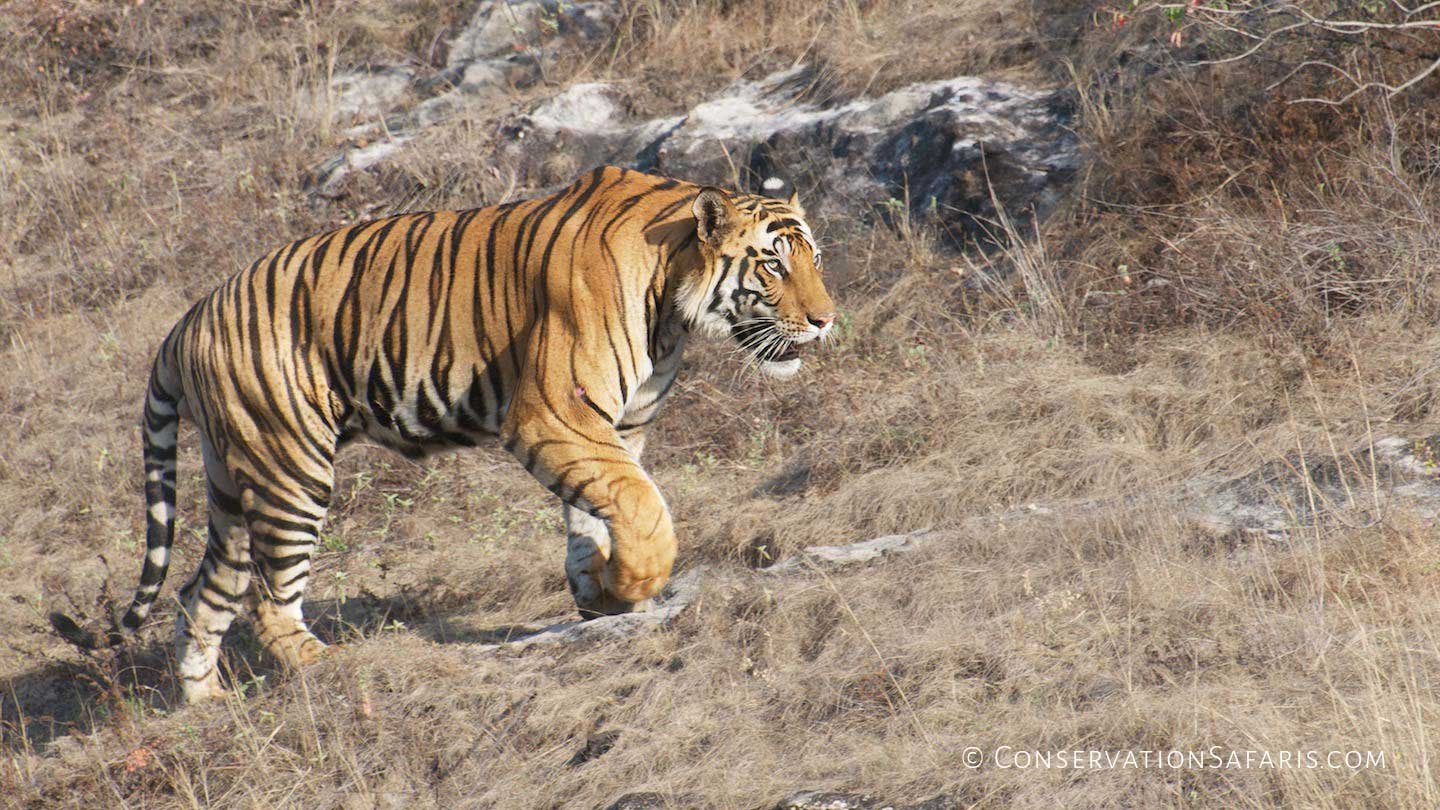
426, 420
432, 416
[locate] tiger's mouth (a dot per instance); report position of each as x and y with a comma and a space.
787, 351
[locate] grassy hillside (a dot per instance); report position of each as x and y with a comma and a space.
1236, 280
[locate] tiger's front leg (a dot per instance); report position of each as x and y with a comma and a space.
622, 541
587, 549
587, 552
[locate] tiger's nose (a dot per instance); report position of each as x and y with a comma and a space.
821, 321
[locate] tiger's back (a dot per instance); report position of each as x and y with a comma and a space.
412, 329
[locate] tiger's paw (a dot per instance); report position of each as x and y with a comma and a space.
597, 603
311, 650
296, 649
208, 688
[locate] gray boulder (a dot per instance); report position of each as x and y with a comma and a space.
648, 801
504, 46
850, 554
1296, 492
946, 152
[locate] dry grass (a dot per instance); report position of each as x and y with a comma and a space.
670, 51
1223, 293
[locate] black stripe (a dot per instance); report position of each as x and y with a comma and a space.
233, 565
157, 422
223, 594
210, 603
283, 563
289, 600
623, 426
156, 390
282, 524
224, 501
151, 574
281, 542
585, 398
279, 504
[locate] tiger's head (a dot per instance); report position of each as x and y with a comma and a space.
761, 279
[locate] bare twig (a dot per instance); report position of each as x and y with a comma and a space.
1264, 22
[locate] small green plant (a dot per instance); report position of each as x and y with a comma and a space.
333, 542
255, 683
393, 499
917, 355
109, 345
550, 17
337, 587
1337, 258
363, 481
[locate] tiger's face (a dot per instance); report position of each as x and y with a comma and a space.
763, 283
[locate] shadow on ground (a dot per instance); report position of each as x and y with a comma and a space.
77, 692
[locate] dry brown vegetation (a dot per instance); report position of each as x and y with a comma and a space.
1235, 280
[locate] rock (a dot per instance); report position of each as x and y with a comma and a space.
643, 801
328, 176
676, 597
505, 45
596, 746
826, 800
585, 107
682, 590
952, 149
855, 553
364, 93
499, 29
951, 152
1297, 491
818, 800
496, 29
1291, 494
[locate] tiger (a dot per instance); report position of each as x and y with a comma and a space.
553, 325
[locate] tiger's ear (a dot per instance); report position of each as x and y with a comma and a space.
715, 216
794, 202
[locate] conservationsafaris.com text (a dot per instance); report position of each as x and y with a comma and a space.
1212, 758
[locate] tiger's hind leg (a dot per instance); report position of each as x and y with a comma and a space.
209, 602
284, 516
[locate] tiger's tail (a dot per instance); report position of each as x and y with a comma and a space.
160, 427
